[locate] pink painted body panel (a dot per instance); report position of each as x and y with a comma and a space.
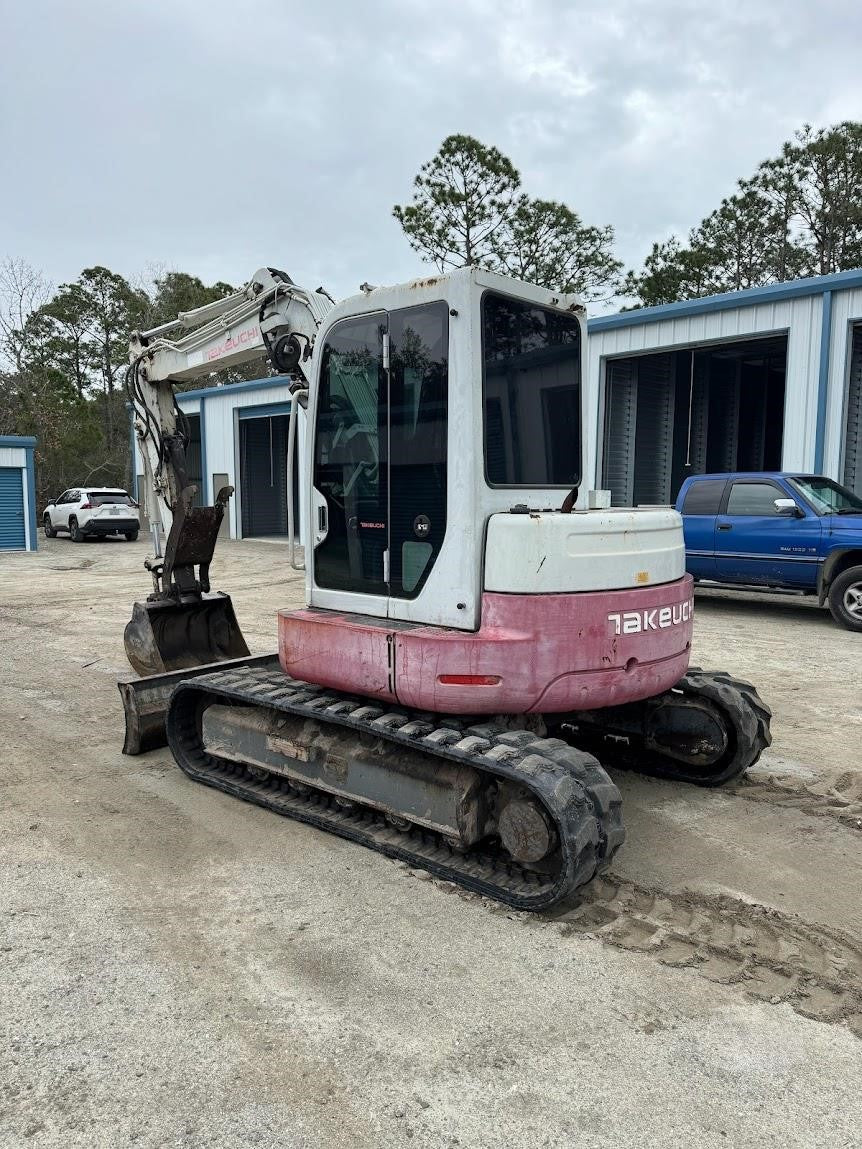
551, 653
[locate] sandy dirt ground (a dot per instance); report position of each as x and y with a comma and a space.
180, 969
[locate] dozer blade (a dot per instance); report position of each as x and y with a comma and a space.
146, 700
165, 635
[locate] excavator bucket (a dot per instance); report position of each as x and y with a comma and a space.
164, 635
183, 625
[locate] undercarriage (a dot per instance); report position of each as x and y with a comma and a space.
517, 809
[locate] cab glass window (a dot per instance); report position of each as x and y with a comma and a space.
532, 394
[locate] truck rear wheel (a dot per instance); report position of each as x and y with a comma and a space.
845, 598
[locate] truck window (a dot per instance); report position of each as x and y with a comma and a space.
753, 499
703, 497
826, 496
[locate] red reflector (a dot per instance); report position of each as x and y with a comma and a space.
469, 679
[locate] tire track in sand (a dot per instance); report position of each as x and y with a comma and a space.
836, 795
772, 957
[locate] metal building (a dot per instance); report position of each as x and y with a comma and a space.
764, 379
17, 493
238, 438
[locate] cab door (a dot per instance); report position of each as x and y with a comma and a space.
418, 427
351, 475
380, 459
755, 543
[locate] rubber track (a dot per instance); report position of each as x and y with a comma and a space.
584, 804
743, 711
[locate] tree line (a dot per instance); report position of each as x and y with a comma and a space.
799, 214
63, 351
63, 356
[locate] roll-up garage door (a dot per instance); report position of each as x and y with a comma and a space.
12, 532
723, 416
263, 475
193, 459
853, 424
654, 430
699, 397
620, 420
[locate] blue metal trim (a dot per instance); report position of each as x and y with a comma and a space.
31, 492
823, 381
205, 479
17, 441
235, 388
773, 293
263, 411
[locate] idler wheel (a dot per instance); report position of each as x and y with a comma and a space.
526, 831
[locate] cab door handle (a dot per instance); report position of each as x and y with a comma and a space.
725, 526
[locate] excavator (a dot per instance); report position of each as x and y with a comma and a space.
481, 637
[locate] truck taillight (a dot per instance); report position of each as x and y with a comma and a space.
86, 506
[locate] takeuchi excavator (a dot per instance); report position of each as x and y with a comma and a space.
480, 636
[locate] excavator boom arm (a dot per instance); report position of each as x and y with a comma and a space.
271, 318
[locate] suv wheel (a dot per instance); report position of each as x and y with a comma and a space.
845, 598
131, 536
75, 531
50, 532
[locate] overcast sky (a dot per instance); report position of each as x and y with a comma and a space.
215, 136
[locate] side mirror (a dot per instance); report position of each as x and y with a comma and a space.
789, 507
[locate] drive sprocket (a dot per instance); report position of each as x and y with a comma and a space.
707, 729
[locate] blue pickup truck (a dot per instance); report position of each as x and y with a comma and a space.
777, 529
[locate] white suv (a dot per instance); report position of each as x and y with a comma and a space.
86, 511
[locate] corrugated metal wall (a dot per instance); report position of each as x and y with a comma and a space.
221, 449
222, 439
800, 318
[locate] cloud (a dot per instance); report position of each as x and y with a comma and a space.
218, 135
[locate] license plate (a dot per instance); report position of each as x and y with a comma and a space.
115, 510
